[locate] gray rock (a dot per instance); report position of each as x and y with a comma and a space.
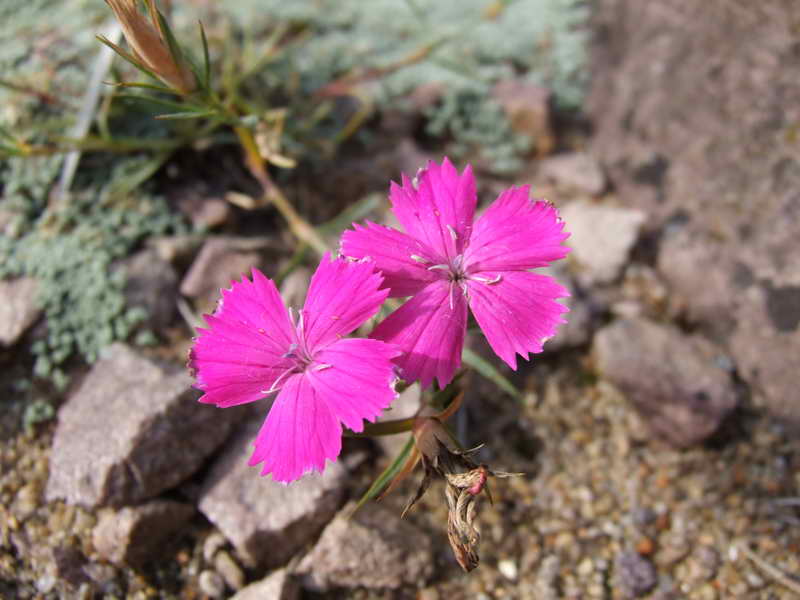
279, 585
135, 534
677, 382
373, 548
725, 196
635, 574
575, 170
151, 283
266, 521
18, 308
220, 260
601, 237
130, 431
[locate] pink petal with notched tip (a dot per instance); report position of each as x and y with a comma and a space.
517, 313
299, 434
429, 332
516, 234
392, 251
342, 295
354, 378
240, 355
439, 212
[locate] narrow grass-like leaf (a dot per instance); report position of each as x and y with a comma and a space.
126, 55
187, 115
384, 478
145, 86
490, 372
354, 212
206, 81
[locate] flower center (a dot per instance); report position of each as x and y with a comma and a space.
457, 274
299, 355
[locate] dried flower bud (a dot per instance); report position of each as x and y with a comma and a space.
149, 45
464, 479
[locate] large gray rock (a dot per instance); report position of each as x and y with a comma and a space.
676, 381
130, 431
373, 548
266, 521
696, 108
18, 308
134, 534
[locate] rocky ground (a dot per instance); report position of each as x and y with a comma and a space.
648, 471
656, 435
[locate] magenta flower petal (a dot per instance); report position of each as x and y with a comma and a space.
238, 357
517, 312
299, 434
253, 348
430, 329
342, 295
355, 379
439, 210
516, 234
402, 259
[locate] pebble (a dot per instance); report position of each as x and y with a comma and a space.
211, 584
230, 571
635, 573
508, 568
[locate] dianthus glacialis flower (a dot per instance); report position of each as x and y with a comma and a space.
449, 265
254, 346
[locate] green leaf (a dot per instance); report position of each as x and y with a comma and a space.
145, 86
487, 370
354, 212
206, 60
388, 474
178, 106
127, 56
187, 115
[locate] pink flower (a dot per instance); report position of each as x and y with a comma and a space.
253, 347
448, 264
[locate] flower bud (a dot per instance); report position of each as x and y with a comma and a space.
149, 45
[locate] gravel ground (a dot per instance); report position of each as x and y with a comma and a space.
603, 511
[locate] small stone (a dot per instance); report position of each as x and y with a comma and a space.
230, 571
211, 584
27, 500
294, 287
18, 308
220, 260
161, 434
151, 283
212, 544
601, 237
135, 534
372, 548
585, 567
635, 574
508, 568
673, 379
527, 106
575, 170
266, 521
278, 585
